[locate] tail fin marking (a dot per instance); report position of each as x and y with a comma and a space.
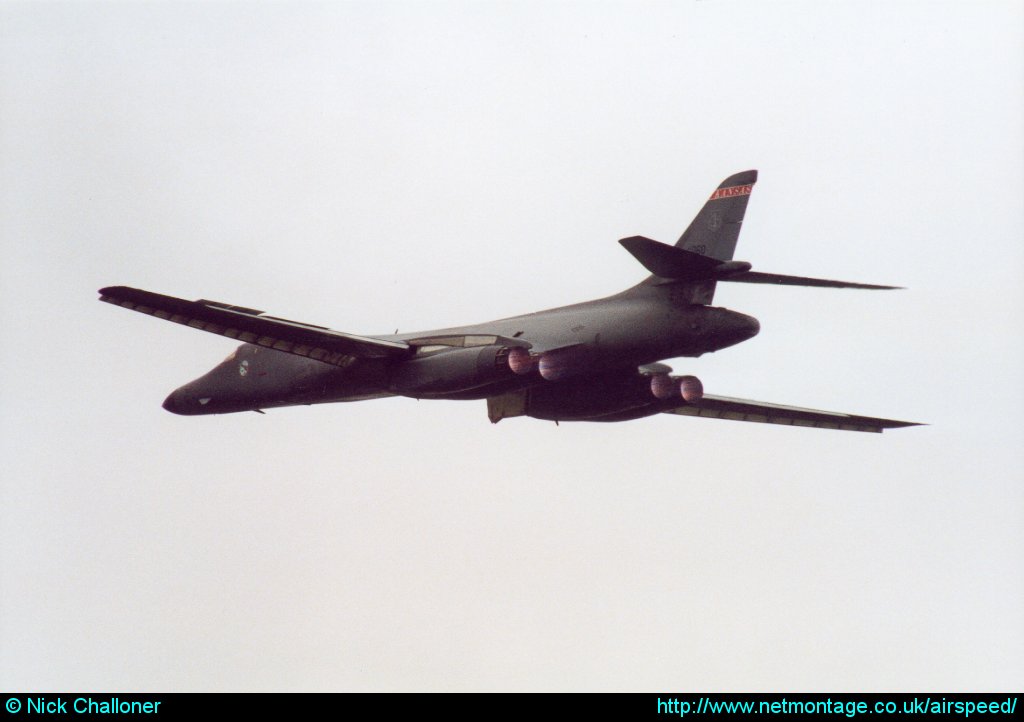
716, 229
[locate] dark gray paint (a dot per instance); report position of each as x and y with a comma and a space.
594, 357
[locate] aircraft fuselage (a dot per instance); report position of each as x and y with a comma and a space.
593, 361
630, 329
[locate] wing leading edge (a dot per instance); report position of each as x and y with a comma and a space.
723, 407
251, 326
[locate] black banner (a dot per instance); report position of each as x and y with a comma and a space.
124, 706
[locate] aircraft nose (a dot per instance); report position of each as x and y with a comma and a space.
191, 400
174, 403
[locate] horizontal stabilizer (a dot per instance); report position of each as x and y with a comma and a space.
723, 407
251, 326
678, 264
780, 280
668, 261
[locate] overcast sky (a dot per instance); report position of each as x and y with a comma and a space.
373, 166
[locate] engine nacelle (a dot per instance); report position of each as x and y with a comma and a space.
450, 371
562, 363
691, 389
588, 397
520, 361
665, 387
611, 396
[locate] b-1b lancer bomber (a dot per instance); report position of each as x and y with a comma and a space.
593, 361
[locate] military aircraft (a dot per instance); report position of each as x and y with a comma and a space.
593, 361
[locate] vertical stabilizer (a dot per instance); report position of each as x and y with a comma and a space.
716, 228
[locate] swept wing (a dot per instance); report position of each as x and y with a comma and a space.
251, 326
724, 407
